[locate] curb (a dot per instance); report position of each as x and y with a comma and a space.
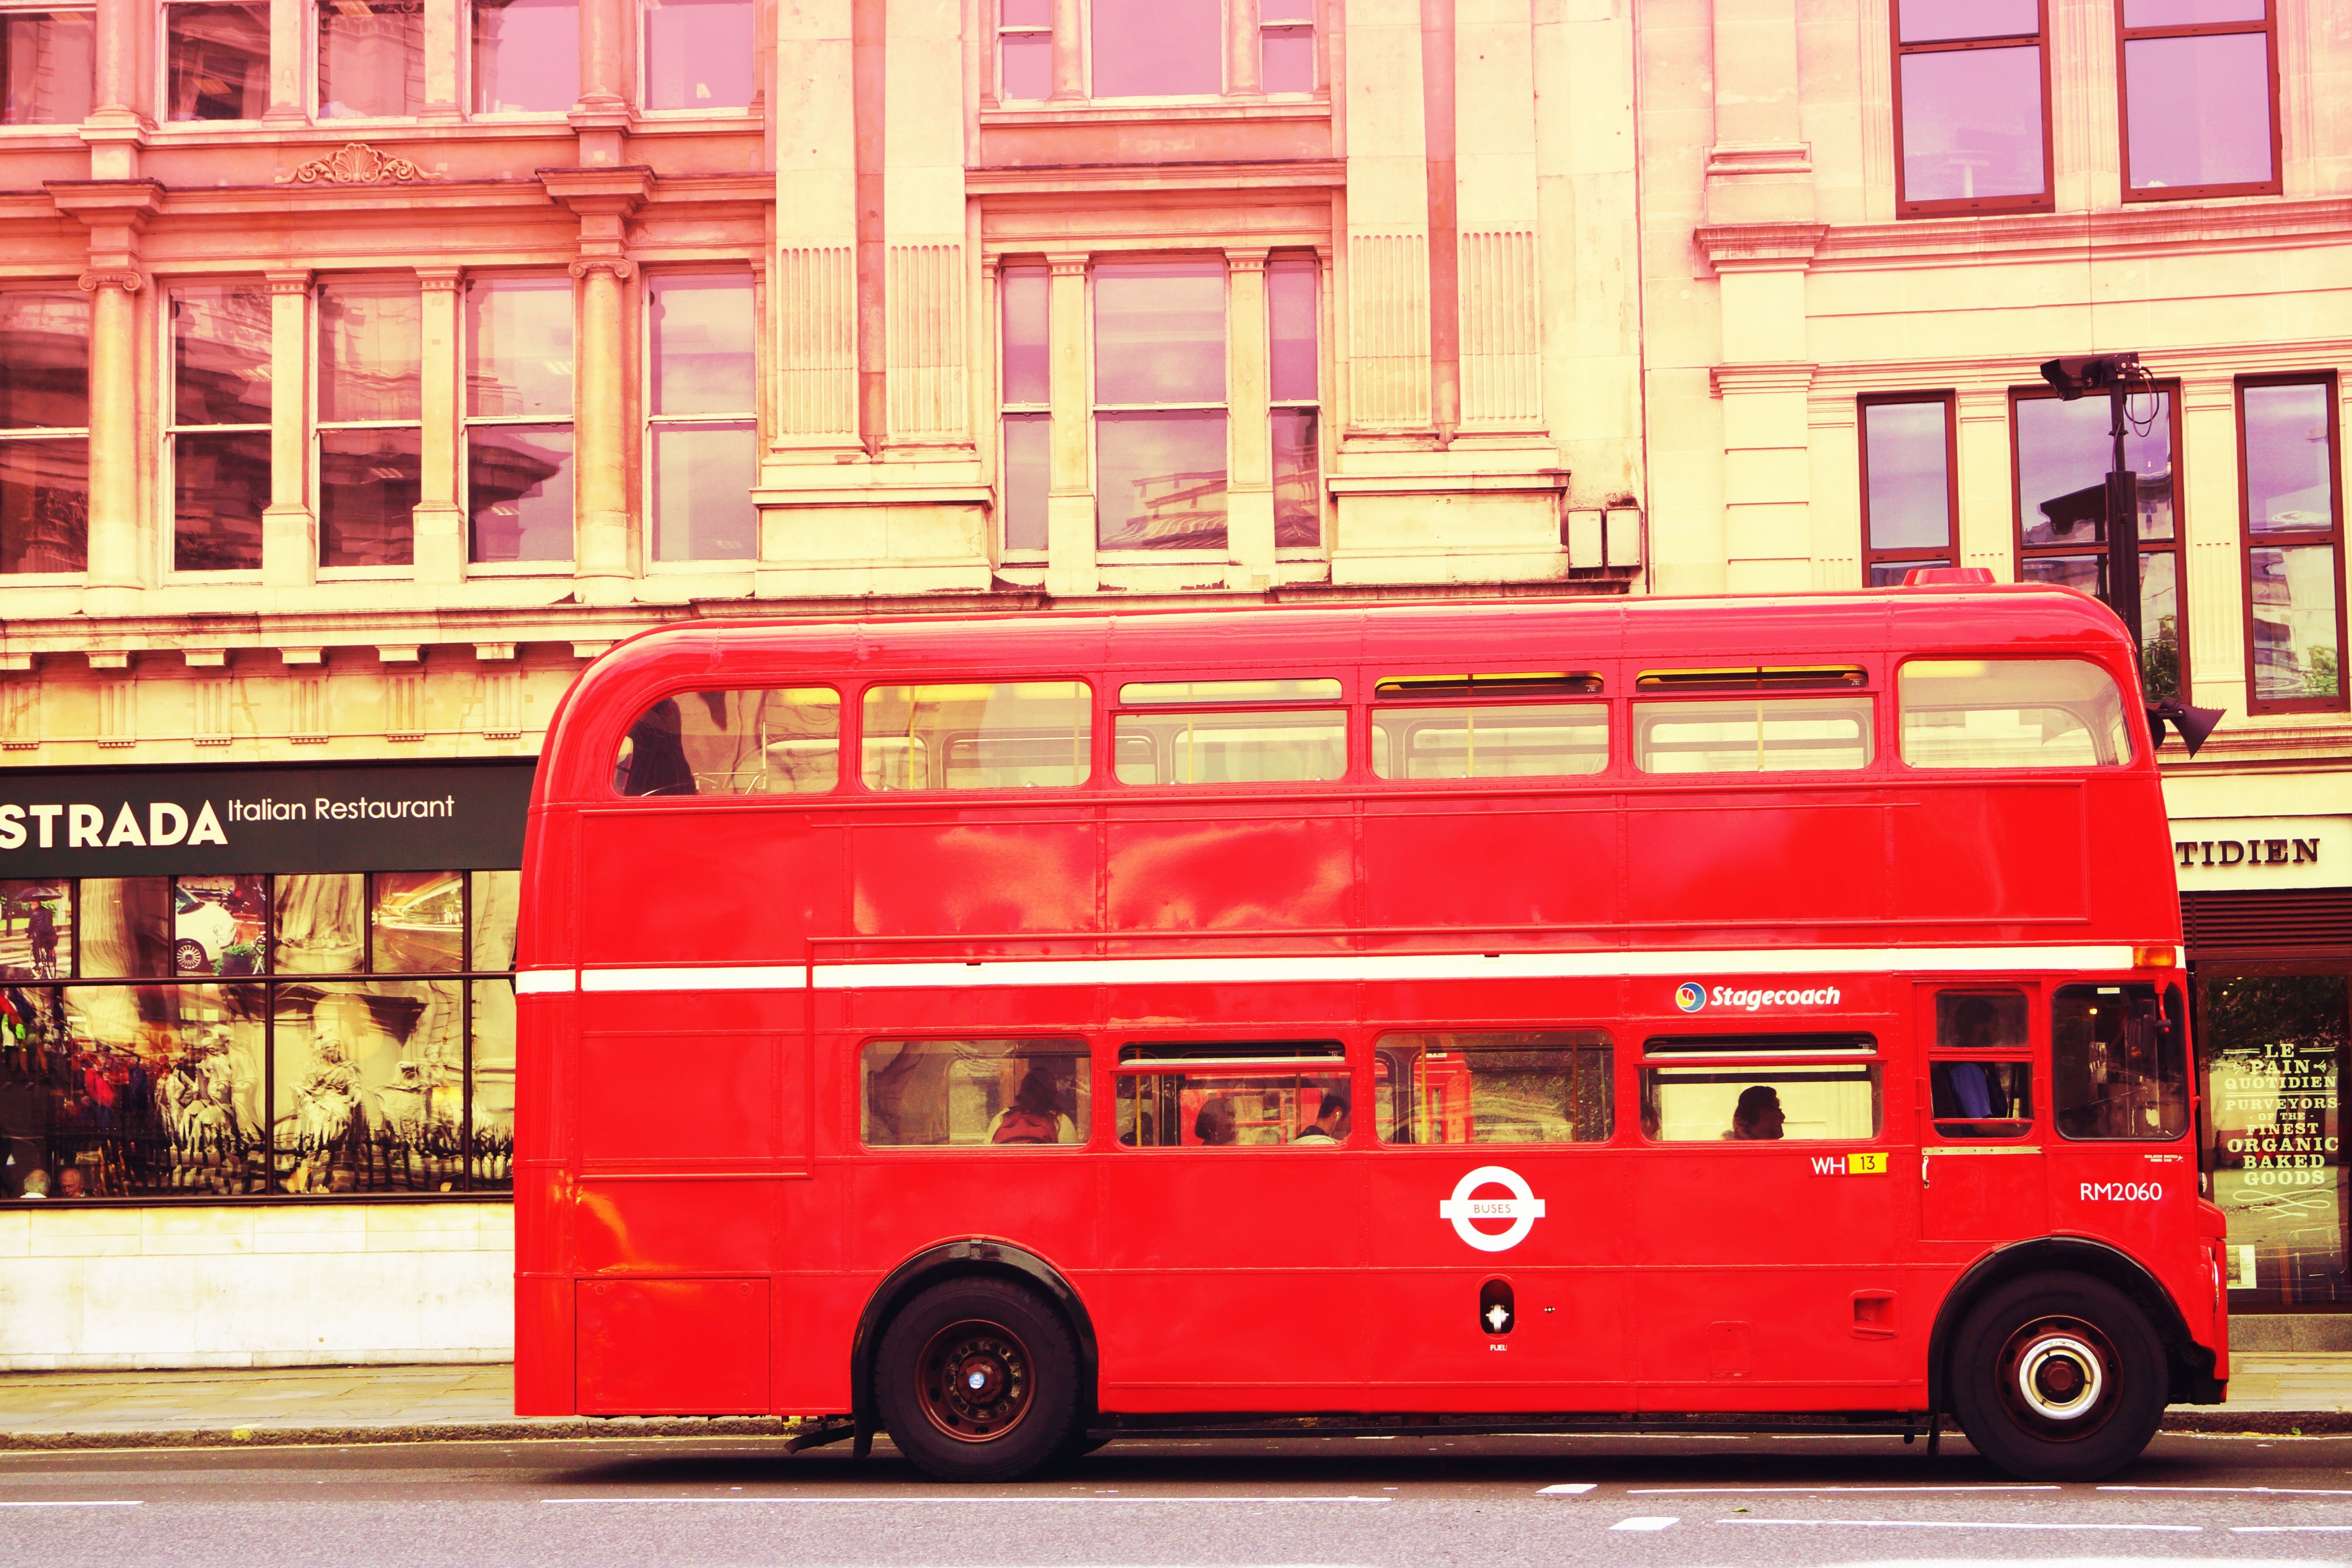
2261, 1422
550, 1429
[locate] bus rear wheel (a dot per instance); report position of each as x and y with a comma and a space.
976, 1380
2057, 1377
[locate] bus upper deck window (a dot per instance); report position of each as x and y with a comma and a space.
1753, 735
779, 740
1533, 1086
1010, 735
1529, 740
2118, 1062
973, 1093
1232, 746
2012, 714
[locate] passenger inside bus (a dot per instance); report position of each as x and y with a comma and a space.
1216, 1123
1758, 1117
1330, 1126
652, 756
1035, 1115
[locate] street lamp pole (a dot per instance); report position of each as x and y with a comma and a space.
2113, 374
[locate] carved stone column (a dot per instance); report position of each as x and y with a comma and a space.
1069, 494
118, 556
600, 544
440, 525
290, 529
1249, 479
601, 118
288, 55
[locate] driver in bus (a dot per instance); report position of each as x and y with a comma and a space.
1758, 1116
1330, 1126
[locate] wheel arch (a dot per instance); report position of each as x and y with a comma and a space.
2190, 1364
976, 1258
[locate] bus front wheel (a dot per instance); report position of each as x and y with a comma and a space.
2057, 1377
977, 1379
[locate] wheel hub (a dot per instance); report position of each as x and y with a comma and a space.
975, 1381
2057, 1377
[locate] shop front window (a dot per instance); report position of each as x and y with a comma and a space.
2273, 1047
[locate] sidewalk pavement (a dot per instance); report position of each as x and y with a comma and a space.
2307, 1394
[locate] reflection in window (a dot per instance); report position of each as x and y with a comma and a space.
2293, 544
220, 925
779, 741
44, 389
1523, 740
2119, 1064
36, 929
370, 1086
973, 1093
2273, 1045
491, 1152
1023, 299
45, 59
1287, 45
217, 60
1157, 49
1982, 1099
1159, 395
1293, 317
702, 434
1539, 1087
2199, 113
2011, 713
1176, 748
1753, 735
1764, 1104
1981, 1020
497, 896
1908, 490
526, 55
370, 405
417, 922
518, 378
154, 1090
322, 924
1008, 736
1024, 50
698, 53
1969, 76
220, 412
371, 59
126, 926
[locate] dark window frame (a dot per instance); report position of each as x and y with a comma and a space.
2333, 537
2268, 28
2043, 201
1949, 555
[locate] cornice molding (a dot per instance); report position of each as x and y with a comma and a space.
1759, 246
1133, 179
1781, 375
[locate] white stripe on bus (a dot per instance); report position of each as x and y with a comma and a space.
1332, 968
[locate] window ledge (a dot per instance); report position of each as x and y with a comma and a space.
1158, 112
365, 573
520, 569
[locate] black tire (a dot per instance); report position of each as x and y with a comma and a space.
188, 956
976, 1380
2058, 1377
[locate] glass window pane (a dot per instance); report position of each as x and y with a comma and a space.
2159, 619
2273, 1049
1908, 450
44, 505
1025, 68
44, 358
703, 478
2011, 713
1539, 1087
1028, 476
1891, 574
1231, 748
125, 927
1272, 11
526, 55
370, 1086
1283, 689
1832, 1102
322, 924
974, 1093
220, 484
2290, 465
220, 354
1931, 21
2186, 13
1024, 13
1160, 333
371, 352
1286, 63
1981, 1021
491, 1148
1159, 481
702, 356
1297, 478
497, 895
1157, 49
1010, 736
1752, 736
698, 53
1025, 294
35, 929
1211, 1107
1501, 741
2062, 454
220, 925
44, 67
1981, 1099
519, 348
2296, 658
784, 740
369, 484
2119, 1062
418, 924
1290, 288
1971, 124
217, 61
2199, 110
371, 59
155, 1090
518, 491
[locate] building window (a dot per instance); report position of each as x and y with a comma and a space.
1294, 381
220, 425
1159, 48
371, 382
2290, 440
44, 67
519, 418
1024, 293
1160, 405
702, 436
43, 430
2200, 99
698, 53
526, 55
371, 59
1286, 41
2062, 454
1024, 51
1971, 105
217, 60
1909, 494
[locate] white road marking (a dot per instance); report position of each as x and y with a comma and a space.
110, 1503
1805, 1491
963, 1501
2291, 1529
1567, 1489
2270, 1492
1645, 1521
1960, 1524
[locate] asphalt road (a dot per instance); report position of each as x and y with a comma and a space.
1480, 1502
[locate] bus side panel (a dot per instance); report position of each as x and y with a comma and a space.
548, 930
976, 878
1780, 858
1945, 869
710, 883
1235, 865
1485, 863
543, 1024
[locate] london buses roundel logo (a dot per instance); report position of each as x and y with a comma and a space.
1690, 995
1522, 1209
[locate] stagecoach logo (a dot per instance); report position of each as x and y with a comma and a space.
1690, 996
1522, 1209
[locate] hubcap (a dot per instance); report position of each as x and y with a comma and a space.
2056, 1378
975, 1381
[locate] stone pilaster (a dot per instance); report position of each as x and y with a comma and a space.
1249, 478
1069, 492
439, 523
290, 529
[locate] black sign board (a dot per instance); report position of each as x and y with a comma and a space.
153, 822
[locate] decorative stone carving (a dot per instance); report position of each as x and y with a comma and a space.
356, 163
130, 279
620, 267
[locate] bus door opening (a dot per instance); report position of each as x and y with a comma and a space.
1982, 1172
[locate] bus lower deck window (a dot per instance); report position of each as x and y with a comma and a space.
1753, 735
1527, 740
1763, 1102
2118, 1062
2011, 713
1211, 1106
779, 741
973, 1093
1537, 1087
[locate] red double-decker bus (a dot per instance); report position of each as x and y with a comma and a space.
1013, 1032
